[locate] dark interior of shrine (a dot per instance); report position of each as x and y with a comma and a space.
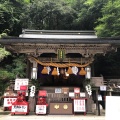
61, 79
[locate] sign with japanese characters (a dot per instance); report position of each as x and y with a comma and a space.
8, 101
42, 93
77, 90
58, 90
40, 109
82, 94
71, 94
20, 82
99, 97
103, 88
79, 105
19, 108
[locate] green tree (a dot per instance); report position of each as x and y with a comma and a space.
88, 11
46, 14
10, 14
10, 68
109, 22
3, 53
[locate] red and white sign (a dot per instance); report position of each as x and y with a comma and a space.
8, 101
79, 105
77, 90
40, 109
23, 87
19, 108
20, 82
42, 93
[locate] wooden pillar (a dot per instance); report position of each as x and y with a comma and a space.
32, 104
28, 70
97, 103
89, 103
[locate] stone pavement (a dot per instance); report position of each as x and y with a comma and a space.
50, 117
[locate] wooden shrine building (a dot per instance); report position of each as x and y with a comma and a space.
61, 60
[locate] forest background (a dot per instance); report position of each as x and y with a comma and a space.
103, 16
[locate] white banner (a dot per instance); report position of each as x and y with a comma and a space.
8, 101
19, 82
112, 111
19, 108
40, 109
79, 105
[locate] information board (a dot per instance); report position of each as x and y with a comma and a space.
79, 105
20, 82
112, 108
40, 109
8, 101
19, 108
58, 90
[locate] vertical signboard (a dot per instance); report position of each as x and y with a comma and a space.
79, 105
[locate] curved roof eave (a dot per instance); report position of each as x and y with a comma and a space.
60, 41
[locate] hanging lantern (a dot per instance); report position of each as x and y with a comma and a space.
88, 72
44, 71
69, 71
55, 72
82, 72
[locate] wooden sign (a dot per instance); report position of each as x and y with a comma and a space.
65, 90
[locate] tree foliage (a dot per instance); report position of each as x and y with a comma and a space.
100, 15
46, 14
109, 22
3, 53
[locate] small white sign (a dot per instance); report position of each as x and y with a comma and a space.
103, 88
82, 94
19, 108
8, 101
71, 94
99, 98
40, 109
58, 90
